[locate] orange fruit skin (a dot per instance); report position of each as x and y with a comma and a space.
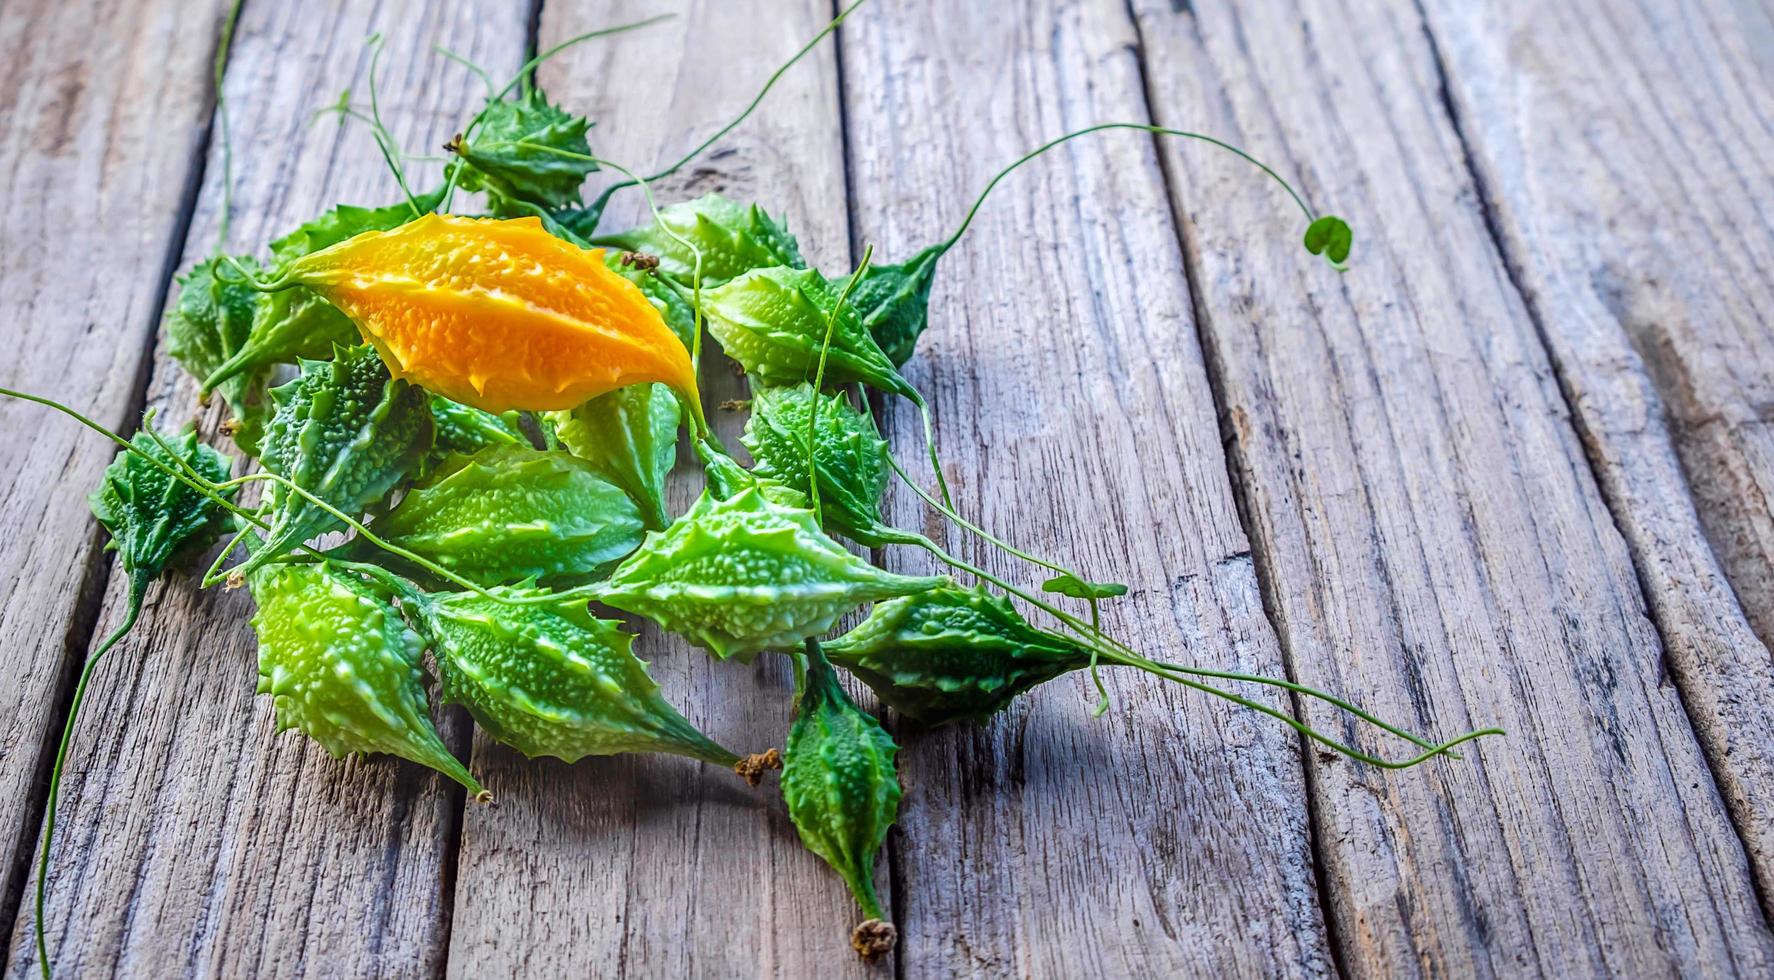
498, 313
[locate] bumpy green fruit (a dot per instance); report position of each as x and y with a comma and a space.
552, 680
527, 154
894, 302
466, 429
209, 326
848, 457
773, 322
733, 238
724, 477
512, 513
343, 667
842, 790
746, 574
345, 432
629, 435
152, 517
952, 654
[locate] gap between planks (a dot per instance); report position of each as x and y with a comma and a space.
1715, 746
1634, 591
347, 181
976, 319
1241, 493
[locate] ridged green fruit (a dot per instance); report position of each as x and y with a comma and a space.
746, 574
552, 680
343, 667
952, 654
773, 322
466, 429
512, 513
629, 435
842, 790
733, 238
848, 457
527, 154
894, 302
345, 432
211, 323
151, 516
723, 477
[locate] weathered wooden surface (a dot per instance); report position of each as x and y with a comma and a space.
1623, 149
658, 866
194, 839
1434, 543
1169, 837
100, 137
1635, 215
1505, 470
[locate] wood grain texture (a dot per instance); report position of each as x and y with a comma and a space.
1626, 168
1434, 541
194, 840
1512, 468
1168, 838
100, 137
648, 866
1626, 163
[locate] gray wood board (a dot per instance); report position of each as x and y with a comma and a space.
101, 137
1434, 542
1512, 468
1168, 838
1635, 216
193, 838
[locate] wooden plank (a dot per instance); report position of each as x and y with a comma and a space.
1435, 543
194, 840
100, 136
1170, 837
657, 866
1626, 170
